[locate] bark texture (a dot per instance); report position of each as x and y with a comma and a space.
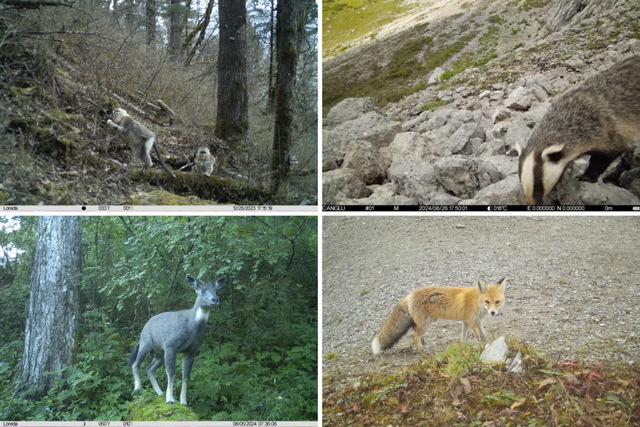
232, 122
53, 304
285, 90
151, 22
175, 50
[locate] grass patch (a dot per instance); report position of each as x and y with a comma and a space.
433, 105
534, 4
363, 292
489, 38
411, 62
347, 20
496, 19
330, 356
455, 389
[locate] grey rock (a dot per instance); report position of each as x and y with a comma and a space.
437, 119
492, 148
495, 352
363, 157
435, 75
500, 114
517, 131
515, 365
372, 127
342, 184
409, 125
574, 192
505, 192
348, 109
461, 137
520, 99
329, 163
630, 180
458, 175
409, 146
464, 116
414, 179
443, 199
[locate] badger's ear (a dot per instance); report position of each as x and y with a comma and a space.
518, 148
553, 154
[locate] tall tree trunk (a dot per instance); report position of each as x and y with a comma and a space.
175, 31
151, 22
232, 122
286, 37
53, 304
271, 101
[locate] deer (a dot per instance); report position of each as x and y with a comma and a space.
173, 332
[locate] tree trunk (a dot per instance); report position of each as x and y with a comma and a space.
271, 101
151, 22
232, 122
53, 304
175, 31
285, 90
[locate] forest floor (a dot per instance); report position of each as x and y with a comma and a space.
572, 284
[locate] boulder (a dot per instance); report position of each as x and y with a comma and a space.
348, 109
519, 100
363, 157
371, 126
414, 179
341, 184
505, 192
408, 146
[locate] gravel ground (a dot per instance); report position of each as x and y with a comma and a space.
572, 283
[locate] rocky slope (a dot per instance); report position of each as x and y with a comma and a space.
451, 140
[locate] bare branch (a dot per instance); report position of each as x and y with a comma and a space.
68, 32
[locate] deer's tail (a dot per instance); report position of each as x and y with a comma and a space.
134, 354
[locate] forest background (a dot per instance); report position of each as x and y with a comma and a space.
238, 77
259, 356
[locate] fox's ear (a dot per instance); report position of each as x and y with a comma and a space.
482, 287
502, 284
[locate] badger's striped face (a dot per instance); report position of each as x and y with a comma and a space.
540, 171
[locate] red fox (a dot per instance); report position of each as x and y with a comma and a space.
424, 305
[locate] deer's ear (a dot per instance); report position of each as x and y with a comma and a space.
221, 281
192, 281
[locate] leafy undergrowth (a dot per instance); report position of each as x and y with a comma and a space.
455, 389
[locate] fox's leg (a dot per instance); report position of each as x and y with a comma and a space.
421, 325
465, 329
478, 331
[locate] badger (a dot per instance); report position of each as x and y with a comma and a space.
600, 117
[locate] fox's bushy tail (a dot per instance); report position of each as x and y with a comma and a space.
394, 328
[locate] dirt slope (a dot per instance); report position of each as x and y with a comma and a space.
573, 285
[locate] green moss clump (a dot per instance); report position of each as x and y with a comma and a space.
155, 408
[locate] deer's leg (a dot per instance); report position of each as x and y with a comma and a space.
187, 362
170, 365
158, 360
